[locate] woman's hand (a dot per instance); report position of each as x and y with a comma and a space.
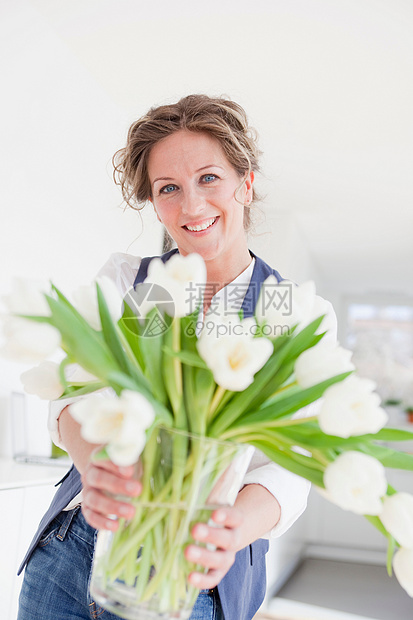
227, 539
101, 480
255, 512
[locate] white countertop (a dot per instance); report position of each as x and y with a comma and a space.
16, 475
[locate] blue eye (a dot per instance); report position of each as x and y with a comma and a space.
209, 177
168, 189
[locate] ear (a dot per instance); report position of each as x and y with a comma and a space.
249, 182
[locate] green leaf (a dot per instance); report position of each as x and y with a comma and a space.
169, 377
132, 331
375, 521
109, 332
278, 369
204, 392
288, 404
151, 348
305, 339
188, 331
390, 552
283, 376
65, 302
196, 423
35, 318
291, 460
83, 389
393, 434
389, 457
84, 344
187, 357
119, 381
310, 435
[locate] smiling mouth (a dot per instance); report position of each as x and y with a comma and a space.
203, 226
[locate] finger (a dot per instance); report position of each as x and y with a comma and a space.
209, 580
99, 521
125, 471
104, 505
99, 478
228, 517
221, 560
221, 537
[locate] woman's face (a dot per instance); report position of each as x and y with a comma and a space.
193, 193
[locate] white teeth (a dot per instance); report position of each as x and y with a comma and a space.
201, 226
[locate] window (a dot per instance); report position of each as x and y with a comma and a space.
381, 336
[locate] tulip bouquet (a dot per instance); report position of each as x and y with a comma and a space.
229, 380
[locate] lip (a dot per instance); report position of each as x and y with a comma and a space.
200, 223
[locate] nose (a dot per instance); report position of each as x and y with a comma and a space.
193, 202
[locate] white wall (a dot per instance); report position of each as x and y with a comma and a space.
279, 241
61, 213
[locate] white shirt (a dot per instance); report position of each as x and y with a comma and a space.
290, 490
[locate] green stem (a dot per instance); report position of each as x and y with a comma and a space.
179, 456
320, 457
145, 564
162, 551
391, 546
282, 389
176, 345
174, 553
219, 394
243, 431
290, 422
134, 541
62, 377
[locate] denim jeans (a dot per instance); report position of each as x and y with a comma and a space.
56, 580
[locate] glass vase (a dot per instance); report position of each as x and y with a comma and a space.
140, 572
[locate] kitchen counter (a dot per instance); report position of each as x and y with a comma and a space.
15, 475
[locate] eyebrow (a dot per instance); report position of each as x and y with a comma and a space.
199, 170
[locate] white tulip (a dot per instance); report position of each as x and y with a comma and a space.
28, 341
28, 297
86, 301
329, 323
183, 277
322, 362
351, 408
119, 422
43, 381
281, 305
235, 356
403, 569
356, 482
397, 518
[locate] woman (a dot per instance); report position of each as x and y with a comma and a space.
195, 162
